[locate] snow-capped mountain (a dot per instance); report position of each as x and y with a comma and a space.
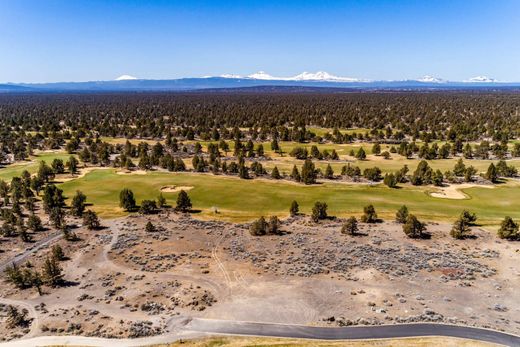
262, 75
322, 76
430, 79
481, 79
126, 78
304, 76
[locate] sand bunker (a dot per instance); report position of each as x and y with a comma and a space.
175, 189
453, 191
135, 172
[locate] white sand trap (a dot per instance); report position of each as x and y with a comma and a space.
135, 172
175, 189
453, 191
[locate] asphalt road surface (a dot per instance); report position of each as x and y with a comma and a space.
207, 327
357, 332
31, 249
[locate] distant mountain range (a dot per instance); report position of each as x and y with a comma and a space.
319, 79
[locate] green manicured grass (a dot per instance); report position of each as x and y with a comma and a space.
241, 200
31, 165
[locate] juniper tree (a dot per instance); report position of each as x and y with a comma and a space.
91, 220
413, 228
294, 209
370, 215
401, 214
127, 200
183, 202
350, 227
508, 229
319, 211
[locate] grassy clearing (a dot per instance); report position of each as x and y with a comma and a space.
31, 165
242, 200
264, 342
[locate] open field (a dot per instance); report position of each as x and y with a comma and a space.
242, 200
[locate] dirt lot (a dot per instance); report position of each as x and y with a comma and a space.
126, 282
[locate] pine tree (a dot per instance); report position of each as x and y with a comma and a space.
401, 215
77, 207
413, 228
295, 209
350, 227
361, 155
161, 201
91, 220
508, 229
329, 173
127, 200
52, 272
459, 229
308, 172
275, 174
319, 211
295, 174
370, 215
492, 174
183, 202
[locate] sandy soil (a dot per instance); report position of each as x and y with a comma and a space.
454, 191
126, 282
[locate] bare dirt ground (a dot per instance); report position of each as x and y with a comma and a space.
125, 282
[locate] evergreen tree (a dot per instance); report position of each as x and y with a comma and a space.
350, 227
401, 215
329, 173
370, 215
77, 207
361, 155
183, 202
161, 201
52, 272
413, 228
459, 229
150, 228
508, 229
275, 174
147, 207
492, 174
294, 209
127, 200
319, 211
308, 172
295, 174
258, 227
91, 220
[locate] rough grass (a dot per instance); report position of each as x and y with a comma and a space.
242, 200
264, 342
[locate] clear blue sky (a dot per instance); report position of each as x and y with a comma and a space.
76, 40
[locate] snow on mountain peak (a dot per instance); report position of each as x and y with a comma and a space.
481, 79
430, 79
262, 75
126, 78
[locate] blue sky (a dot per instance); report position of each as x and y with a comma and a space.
75, 40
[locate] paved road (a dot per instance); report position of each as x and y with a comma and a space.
206, 327
31, 249
357, 332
